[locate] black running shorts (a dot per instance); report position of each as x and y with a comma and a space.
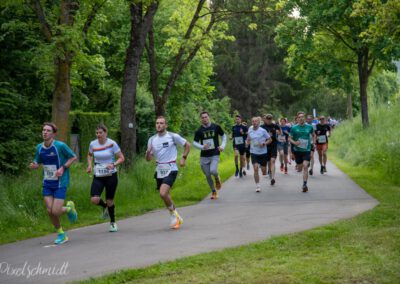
169, 180
302, 156
109, 183
259, 159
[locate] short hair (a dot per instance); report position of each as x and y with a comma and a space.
282, 118
102, 127
268, 116
300, 112
161, 117
52, 125
238, 115
310, 116
204, 112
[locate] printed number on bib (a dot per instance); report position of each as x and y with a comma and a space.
322, 139
239, 140
303, 143
163, 170
50, 172
101, 170
210, 143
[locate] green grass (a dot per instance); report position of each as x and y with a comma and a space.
23, 214
363, 249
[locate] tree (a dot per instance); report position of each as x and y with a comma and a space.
350, 25
142, 15
63, 36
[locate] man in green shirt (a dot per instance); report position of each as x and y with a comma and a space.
302, 136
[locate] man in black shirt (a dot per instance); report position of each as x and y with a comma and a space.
206, 139
322, 131
273, 130
239, 136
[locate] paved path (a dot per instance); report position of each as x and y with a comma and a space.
240, 216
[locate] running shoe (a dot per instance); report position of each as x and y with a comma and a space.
244, 172
282, 167
240, 174
61, 238
258, 188
218, 184
72, 214
113, 227
176, 220
305, 188
272, 181
236, 172
214, 195
322, 170
286, 172
310, 172
105, 214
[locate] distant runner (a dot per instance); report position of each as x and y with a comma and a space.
239, 136
283, 145
323, 131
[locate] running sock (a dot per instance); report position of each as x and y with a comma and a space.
111, 212
60, 231
102, 203
304, 183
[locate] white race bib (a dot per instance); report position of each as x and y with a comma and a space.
303, 143
322, 139
50, 172
101, 170
282, 138
210, 143
239, 140
163, 170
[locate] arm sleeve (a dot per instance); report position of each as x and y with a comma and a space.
37, 159
223, 144
197, 145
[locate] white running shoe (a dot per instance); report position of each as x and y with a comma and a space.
258, 188
176, 220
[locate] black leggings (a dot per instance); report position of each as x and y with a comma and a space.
109, 182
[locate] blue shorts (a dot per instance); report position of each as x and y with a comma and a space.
56, 192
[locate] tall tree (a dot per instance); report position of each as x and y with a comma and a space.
355, 26
62, 35
142, 15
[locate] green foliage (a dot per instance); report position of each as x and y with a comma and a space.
377, 147
84, 124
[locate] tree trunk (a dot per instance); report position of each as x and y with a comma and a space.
140, 26
62, 96
363, 75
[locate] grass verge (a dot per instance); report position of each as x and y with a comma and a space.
363, 249
23, 214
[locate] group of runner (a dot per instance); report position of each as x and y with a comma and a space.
261, 142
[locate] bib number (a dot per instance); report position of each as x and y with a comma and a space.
239, 140
50, 172
163, 170
101, 170
210, 143
303, 144
322, 139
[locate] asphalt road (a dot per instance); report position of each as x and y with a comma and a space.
240, 216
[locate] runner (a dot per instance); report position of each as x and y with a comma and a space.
163, 146
247, 151
302, 136
283, 145
56, 158
322, 132
273, 130
206, 139
309, 121
104, 150
239, 136
258, 138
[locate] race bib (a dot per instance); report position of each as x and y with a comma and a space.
322, 139
50, 172
282, 138
303, 144
239, 140
210, 143
163, 170
101, 170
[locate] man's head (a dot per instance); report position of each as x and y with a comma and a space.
255, 121
238, 119
205, 118
300, 117
161, 124
283, 121
309, 119
268, 119
322, 119
49, 131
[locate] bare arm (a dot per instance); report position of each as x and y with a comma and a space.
185, 154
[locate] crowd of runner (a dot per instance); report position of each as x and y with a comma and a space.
264, 142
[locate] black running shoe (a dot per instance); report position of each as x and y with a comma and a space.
272, 181
240, 174
310, 172
305, 188
237, 173
322, 170
244, 173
